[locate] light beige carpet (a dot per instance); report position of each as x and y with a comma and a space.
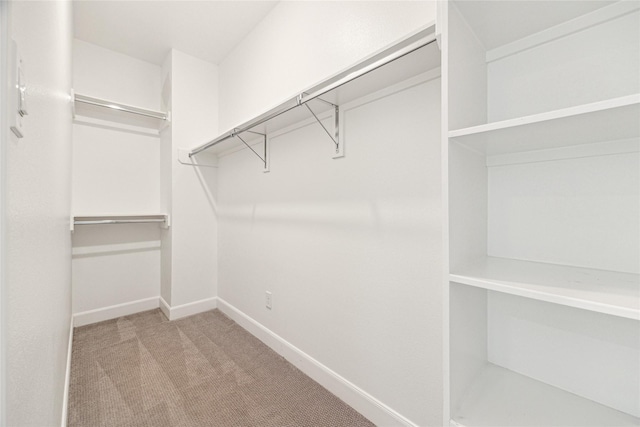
203, 370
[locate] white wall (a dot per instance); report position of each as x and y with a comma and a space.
38, 258
106, 74
193, 236
561, 346
301, 43
536, 210
350, 248
599, 63
115, 170
4, 135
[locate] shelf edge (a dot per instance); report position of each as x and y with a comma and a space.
594, 306
118, 106
593, 107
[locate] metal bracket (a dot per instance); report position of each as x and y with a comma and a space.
336, 134
265, 156
204, 160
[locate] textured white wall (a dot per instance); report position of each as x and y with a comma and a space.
601, 62
38, 276
301, 43
193, 240
350, 248
114, 171
106, 74
529, 202
561, 345
4, 135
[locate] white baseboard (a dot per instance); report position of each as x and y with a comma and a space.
67, 378
184, 310
172, 313
166, 308
376, 411
114, 311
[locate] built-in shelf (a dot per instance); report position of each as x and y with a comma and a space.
506, 28
107, 219
601, 291
610, 120
369, 76
500, 397
112, 111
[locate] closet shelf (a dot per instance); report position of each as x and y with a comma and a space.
533, 25
600, 291
413, 56
162, 219
103, 109
500, 397
610, 120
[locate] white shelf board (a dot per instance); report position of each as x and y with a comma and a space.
118, 112
610, 120
600, 291
500, 397
415, 63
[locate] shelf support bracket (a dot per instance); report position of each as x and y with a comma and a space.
264, 158
336, 135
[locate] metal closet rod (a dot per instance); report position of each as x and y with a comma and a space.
326, 87
119, 107
116, 221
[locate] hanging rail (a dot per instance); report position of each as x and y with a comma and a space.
119, 219
411, 44
119, 107
116, 221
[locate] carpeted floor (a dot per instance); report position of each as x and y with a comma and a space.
203, 370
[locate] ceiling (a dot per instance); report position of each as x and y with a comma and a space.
148, 29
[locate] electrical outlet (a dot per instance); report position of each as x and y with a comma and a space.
268, 300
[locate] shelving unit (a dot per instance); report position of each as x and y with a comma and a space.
601, 291
609, 120
105, 178
543, 137
414, 55
110, 219
112, 111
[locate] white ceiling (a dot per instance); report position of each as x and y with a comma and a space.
148, 29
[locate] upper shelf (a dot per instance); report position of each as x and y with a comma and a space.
116, 112
413, 56
610, 120
601, 291
499, 24
105, 219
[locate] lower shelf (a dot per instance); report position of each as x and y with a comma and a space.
500, 397
601, 291
162, 219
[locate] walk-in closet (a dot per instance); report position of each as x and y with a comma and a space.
323, 213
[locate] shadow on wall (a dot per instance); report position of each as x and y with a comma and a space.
207, 177
104, 240
407, 215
